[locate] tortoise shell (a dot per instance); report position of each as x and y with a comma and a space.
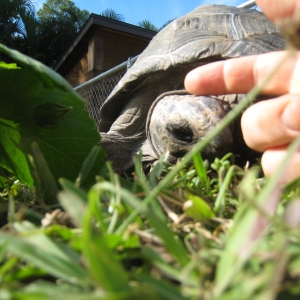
208, 33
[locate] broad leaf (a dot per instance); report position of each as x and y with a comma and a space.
197, 208
38, 105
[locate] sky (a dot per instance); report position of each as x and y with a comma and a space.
157, 12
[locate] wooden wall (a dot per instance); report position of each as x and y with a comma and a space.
103, 50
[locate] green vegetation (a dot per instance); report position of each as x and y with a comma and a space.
149, 25
110, 13
44, 35
72, 229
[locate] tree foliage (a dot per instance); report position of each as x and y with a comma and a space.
110, 13
44, 35
13, 16
55, 37
66, 10
59, 23
148, 25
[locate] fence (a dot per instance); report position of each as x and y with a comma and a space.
96, 90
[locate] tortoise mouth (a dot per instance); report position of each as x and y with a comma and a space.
177, 121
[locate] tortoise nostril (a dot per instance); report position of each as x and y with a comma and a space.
184, 134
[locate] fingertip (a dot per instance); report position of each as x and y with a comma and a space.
190, 82
271, 160
206, 80
195, 83
252, 129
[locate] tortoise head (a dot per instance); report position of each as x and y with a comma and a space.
177, 121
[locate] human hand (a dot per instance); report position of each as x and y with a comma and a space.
268, 126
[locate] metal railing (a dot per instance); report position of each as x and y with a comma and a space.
96, 90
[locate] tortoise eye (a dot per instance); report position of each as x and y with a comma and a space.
181, 133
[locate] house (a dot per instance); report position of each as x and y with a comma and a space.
101, 44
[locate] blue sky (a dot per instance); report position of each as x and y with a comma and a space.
134, 11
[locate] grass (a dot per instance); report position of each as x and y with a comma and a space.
206, 234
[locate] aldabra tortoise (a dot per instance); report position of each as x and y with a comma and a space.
150, 111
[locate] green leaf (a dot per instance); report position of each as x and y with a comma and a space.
36, 106
12, 158
46, 180
197, 208
8, 66
201, 171
73, 200
88, 164
48, 115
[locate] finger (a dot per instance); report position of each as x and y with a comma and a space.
272, 123
272, 158
276, 9
240, 75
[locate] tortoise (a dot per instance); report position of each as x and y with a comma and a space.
150, 111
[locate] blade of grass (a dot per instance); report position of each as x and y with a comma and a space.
115, 206
11, 209
145, 185
219, 203
45, 254
73, 200
45, 290
163, 288
7, 266
201, 172
88, 164
47, 179
104, 266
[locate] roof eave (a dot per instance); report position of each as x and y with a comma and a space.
108, 23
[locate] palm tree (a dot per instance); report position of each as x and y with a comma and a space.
148, 25
11, 23
44, 36
29, 33
110, 13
